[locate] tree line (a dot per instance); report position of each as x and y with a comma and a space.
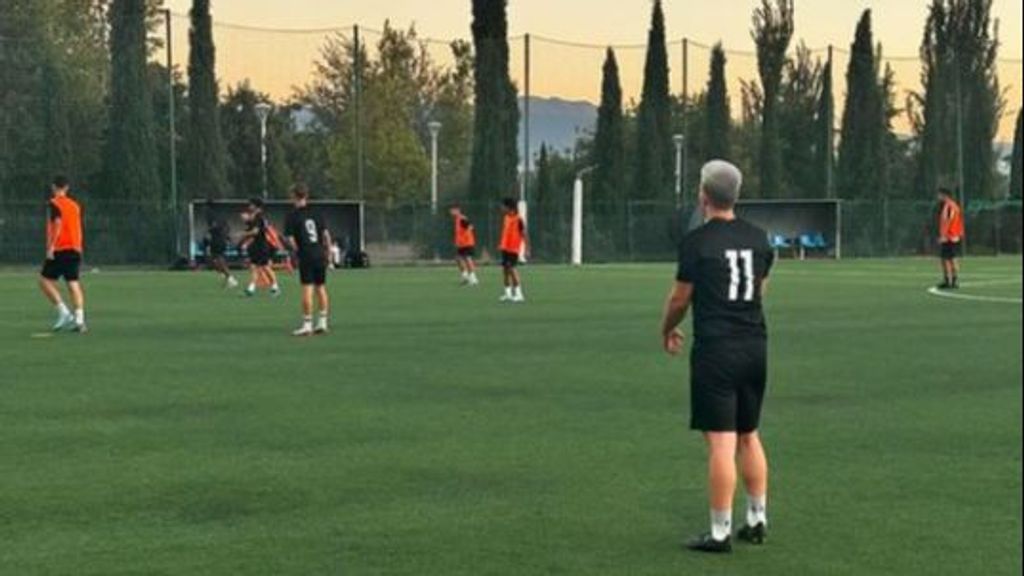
84, 94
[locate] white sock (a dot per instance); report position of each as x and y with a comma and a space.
322, 319
79, 316
508, 291
721, 524
472, 276
62, 309
519, 292
252, 287
275, 287
757, 510
307, 322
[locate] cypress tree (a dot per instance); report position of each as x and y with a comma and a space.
654, 164
1015, 172
862, 136
494, 169
606, 203
772, 33
718, 117
206, 153
131, 166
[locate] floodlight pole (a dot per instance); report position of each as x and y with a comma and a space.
576, 257
263, 111
679, 140
435, 130
171, 131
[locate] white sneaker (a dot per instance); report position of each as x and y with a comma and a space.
64, 321
519, 299
321, 328
231, 283
473, 281
305, 330
505, 298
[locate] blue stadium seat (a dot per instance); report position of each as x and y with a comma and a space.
812, 241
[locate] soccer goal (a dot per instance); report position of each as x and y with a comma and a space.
344, 219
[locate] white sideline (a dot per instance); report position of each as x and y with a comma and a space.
934, 291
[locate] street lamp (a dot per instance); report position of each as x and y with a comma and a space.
263, 111
435, 130
679, 140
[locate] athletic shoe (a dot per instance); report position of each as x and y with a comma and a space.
304, 331
755, 535
321, 329
231, 283
705, 543
520, 299
945, 286
64, 321
506, 298
275, 292
80, 328
250, 293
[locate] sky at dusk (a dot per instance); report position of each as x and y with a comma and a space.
277, 62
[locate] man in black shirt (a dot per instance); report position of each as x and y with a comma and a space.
217, 245
723, 269
309, 239
257, 243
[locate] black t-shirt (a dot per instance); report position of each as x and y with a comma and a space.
218, 232
307, 228
260, 244
726, 261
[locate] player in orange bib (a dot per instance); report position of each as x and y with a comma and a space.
951, 234
64, 244
465, 246
513, 241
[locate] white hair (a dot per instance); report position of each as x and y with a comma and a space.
721, 182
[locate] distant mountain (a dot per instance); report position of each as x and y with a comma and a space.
557, 123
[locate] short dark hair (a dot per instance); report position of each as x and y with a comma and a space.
510, 203
61, 182
300, 190
257, 202
945, 191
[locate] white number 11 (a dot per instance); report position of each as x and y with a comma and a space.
738, 275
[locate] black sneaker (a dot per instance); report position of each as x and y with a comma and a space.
755, 535
945, 285
706, 543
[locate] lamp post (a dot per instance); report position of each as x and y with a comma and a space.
435, 130
679, 140
263, 112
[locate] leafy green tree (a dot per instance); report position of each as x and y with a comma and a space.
798, 103
493, 173
824, 157
654, 156
772, 32
961, 96
719, 117
605, 204
130, 166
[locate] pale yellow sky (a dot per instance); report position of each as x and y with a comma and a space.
275, 62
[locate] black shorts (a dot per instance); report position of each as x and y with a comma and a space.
259, 256
509, 259
466, 252
65, 264
312, 273
727, 385
218, 250
950, 250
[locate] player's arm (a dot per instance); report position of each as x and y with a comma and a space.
327, 242
676, 307
52, 231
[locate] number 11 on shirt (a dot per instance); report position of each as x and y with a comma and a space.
738, 275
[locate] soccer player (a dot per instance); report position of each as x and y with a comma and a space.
311, 241
257, 243
513, 240
64, 242
951, 233
723, 268
217, 230
465, 246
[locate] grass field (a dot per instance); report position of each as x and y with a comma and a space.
436, 432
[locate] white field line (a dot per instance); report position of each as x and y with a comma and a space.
978, 298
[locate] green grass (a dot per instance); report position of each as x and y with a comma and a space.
436, 432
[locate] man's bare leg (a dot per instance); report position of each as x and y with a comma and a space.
50, 290
721, 481
754, 469
323, 302
77, 301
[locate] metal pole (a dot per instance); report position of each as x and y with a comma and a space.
686, 114
357, 105
171, 131
960, 144
524, 187
435, 129
679, 140
830, 130
263, 153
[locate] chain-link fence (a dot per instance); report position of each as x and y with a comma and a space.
404, 234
